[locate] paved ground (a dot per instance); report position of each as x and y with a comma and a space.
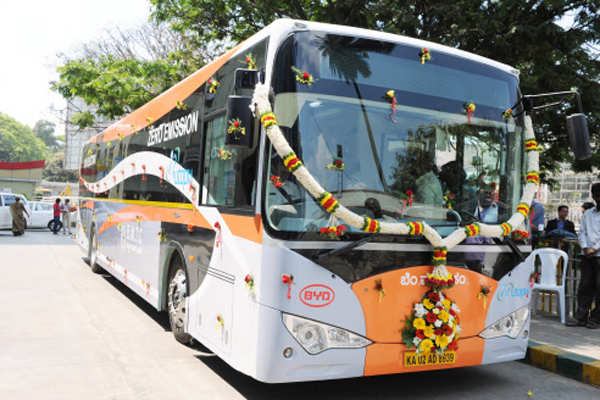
547, 329
66, 333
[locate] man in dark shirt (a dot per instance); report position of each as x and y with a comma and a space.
559, 226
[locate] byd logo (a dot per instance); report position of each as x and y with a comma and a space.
509, 290
317, 295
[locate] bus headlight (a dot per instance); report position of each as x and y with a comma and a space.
510, 326
315, 337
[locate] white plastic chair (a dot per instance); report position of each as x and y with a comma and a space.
549, 259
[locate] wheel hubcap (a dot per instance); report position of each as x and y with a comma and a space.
177, 292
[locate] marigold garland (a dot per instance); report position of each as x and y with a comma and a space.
472, 229
249, 280
533, 177
292, 162
328, 202
523, 209
439, 255
224, 154
531, 145
508, 114
370, 225
250, 61
416, 228
267, 119
506, 228
379, 289
180, 105
483, 294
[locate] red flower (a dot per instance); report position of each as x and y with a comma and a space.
305, 75
430, 317
210, 81
323, 231
438, 331
236, 124
340, 230
451, 195
420, 334
247, 60
409, 193
425, 51
247, 278
287, 278
338, 162
453, 345
451, 311
217, 225
447, 330
433, 296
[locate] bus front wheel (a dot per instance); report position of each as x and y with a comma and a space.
176, 304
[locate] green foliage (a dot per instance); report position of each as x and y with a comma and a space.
18, 142
45, 131
54, 170
521, 33
113, 87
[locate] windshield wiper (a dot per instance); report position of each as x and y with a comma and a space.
344, 249
513, 246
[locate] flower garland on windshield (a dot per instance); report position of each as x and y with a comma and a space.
262, 107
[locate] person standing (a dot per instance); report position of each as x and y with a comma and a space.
18, 220
589, 285
56, 214
561, 226
65, 211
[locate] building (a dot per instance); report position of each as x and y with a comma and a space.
21, 177
572, 190
76, 138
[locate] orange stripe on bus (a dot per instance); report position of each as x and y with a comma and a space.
246, 227
163, 103
149, 213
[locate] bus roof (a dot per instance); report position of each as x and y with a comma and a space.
279, 29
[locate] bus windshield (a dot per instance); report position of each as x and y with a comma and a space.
393, 135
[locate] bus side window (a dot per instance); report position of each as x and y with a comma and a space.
228, 181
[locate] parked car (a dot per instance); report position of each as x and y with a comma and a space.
6, 199
41, 214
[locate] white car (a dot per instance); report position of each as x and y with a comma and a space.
6, 199
41, 214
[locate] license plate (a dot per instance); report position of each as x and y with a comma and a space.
412, 359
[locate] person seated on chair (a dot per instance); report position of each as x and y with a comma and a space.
561, 226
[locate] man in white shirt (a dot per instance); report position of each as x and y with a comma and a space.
589, 285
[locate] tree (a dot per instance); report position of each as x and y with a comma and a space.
18, 142
123, 70
45, 131
522, 33
55, 171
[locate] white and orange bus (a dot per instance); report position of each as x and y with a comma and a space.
292, 232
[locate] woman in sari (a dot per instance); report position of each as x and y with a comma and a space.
18, 219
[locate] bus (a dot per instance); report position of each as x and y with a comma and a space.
325, 202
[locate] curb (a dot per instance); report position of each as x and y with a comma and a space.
574, 366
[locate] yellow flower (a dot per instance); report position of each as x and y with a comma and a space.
447, 304
419, 323
443, 315
428, 304
428, 331
441, 341
426, 345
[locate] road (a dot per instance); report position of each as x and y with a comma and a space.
66, 333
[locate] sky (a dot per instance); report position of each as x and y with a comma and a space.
33, 32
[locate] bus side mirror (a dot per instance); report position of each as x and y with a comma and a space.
240, 122
579, 137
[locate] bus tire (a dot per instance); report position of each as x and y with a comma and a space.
176, 304
93, 253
